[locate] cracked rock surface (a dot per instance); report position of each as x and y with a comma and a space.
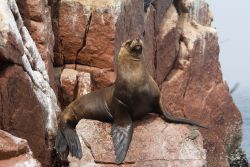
154, 143
28, 104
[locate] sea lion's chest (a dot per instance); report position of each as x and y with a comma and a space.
140, 101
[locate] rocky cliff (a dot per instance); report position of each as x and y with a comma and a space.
81, 39
28, 104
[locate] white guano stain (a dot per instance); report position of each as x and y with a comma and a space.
33, 65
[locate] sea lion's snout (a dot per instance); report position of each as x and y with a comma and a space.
136, 46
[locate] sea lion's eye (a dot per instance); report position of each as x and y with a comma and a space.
128, 43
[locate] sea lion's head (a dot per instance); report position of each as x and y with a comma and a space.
131, 49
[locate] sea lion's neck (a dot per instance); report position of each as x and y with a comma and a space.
131, 70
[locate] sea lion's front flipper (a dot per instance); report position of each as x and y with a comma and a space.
121, 134
122, 130
67, 140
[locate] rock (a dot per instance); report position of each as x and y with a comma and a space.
68, 84
199, 11
11, 49
166, 41
28, 104
194, 88
160, 39
101, 77
74, 84
154, 143
84, 84
149, 44
18, 117
71, 29
82, 39
84, 46
37, 18
15, 151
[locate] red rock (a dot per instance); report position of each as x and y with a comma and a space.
166, 42
84, 83
73, 19
154, 143
15, 151
28, 105
25, 120
101, 77
11, 49
149, 44
199, 11
37, 19
74, 84
99, 47
195, 89
68, 85
82, 39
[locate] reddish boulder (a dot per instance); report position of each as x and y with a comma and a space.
84, 84
195, 89
101, 78
87, 34
74, 84
166, 41
36, 15
154, 143
68, 85
73, 21
15, 151
28, 105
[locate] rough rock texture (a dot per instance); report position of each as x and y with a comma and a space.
15, 151
74, 84
86, 39
154, 143
36, 15
195, 88
28, 104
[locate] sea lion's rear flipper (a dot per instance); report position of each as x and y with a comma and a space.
67, 140
173, 119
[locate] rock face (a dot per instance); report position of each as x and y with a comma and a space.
154, 143
15, 151
28, 104
195, 88
36, 15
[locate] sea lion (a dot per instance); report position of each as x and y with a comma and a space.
133, 95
